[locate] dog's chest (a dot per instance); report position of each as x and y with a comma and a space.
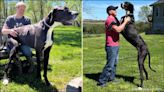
49, 36
49, 40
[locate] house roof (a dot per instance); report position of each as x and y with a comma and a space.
158, 2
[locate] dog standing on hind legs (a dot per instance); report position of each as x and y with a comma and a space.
39, 37
131, 35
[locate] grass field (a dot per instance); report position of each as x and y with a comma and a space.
64, 65
127, 69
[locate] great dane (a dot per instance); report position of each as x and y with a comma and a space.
39, 37
131, 35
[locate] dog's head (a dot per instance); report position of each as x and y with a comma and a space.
63, 15
127, 6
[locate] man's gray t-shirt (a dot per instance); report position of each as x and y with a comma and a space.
13, 22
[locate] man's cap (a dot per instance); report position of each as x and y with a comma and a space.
111, 8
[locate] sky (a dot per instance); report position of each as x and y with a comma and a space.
96, 9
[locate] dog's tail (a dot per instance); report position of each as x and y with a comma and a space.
149, 62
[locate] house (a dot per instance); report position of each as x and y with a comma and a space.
157, 26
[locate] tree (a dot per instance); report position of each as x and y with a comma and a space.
41, 9
144, 12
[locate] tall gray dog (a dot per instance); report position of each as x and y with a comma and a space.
131, 35
39, 37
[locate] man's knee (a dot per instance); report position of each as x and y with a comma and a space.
26, 50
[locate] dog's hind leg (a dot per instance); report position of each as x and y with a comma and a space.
6, 74
144, 67
141, 57
140, 64
46, 58
14, 44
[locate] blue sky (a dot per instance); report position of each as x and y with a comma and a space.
96, 9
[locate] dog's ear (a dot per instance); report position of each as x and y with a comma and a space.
54, 10
122, 6
51, 15
66, 8
131, 7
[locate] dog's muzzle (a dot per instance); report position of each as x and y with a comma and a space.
69, 22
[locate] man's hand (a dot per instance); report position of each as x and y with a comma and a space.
13, 33
122, 26
127, 19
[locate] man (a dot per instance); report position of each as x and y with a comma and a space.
15, 21
113, 28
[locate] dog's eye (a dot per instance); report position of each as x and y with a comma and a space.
66, 9
69, 13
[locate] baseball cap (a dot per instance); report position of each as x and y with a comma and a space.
111, 8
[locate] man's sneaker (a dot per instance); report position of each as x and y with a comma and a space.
101, 84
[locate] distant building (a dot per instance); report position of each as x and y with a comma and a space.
157, 26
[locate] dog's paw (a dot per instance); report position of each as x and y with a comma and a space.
139, 88
48, 84
31, 69
5, 81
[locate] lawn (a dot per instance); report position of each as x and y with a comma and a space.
64, 64
127, 69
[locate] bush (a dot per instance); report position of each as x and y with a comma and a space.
142, 27
93, 28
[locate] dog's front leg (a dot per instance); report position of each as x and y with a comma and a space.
46, 58
38, 55
30, 61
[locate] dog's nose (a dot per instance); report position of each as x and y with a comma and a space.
77, 13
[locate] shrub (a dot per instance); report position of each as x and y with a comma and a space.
93, 28
142, 27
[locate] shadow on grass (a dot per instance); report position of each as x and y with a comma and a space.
95, 77
66, 38
28, 78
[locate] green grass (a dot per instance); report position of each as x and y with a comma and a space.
64, 64
127, 69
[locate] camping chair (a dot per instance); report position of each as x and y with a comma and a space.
3, 43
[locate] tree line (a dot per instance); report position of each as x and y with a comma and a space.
36, 10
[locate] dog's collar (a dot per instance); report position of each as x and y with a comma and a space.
129, 13
46, 24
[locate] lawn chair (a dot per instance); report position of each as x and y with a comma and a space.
3, 46
4, 54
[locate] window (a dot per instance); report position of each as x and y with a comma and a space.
157, 11
163, 11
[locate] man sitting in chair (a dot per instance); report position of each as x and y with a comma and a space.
15, 21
